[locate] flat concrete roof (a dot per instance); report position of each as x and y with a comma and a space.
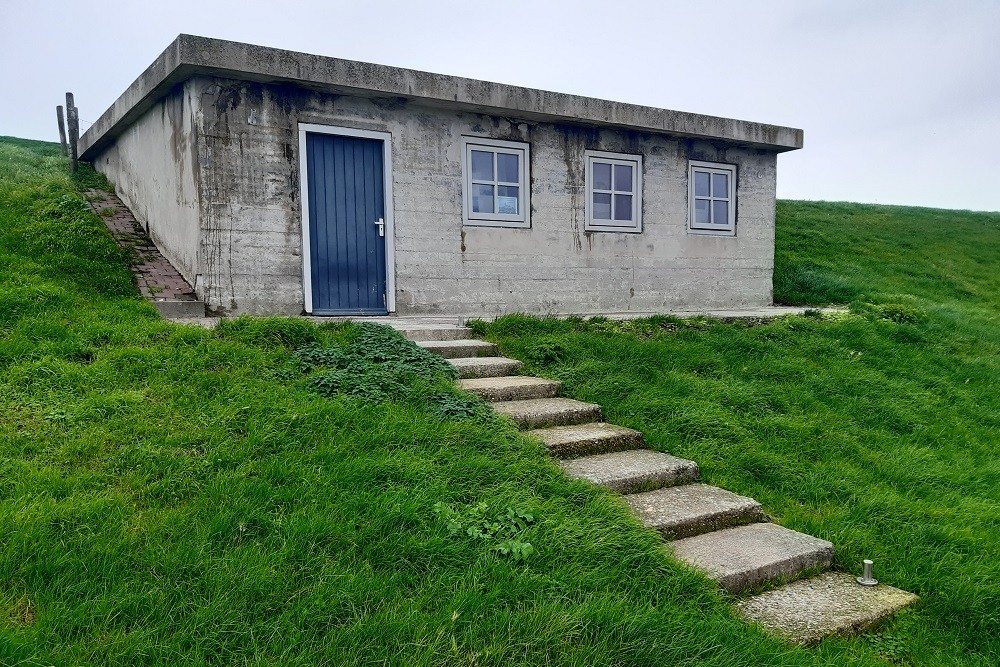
189, 55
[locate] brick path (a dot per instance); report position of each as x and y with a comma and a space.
156, 277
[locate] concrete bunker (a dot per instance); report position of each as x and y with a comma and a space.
280, 183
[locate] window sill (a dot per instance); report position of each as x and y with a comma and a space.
612, 229
730, 233
505, 224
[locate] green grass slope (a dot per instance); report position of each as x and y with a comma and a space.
274, 493
878, 429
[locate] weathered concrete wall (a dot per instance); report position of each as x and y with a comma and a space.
251, 236
252, 246
152, 166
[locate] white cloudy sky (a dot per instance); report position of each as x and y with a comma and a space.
899, 99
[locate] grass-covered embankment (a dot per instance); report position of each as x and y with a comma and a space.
878, 430
274, 493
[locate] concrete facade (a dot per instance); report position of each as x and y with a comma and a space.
204, 149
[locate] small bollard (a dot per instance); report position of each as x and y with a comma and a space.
866, 578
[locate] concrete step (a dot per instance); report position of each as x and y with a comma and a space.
539, 412
832, 603
632, 471
484, 367
175, 308
458, 349
693, 509
512, 388
583, 439
429, 332
744, 557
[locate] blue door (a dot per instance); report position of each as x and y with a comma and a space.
347, 249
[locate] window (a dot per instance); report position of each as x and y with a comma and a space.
614, 192
712, 193
495, 185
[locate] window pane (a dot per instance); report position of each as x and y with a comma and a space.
482, 198
623, 207
507, 168
720, 185
602, 205
602, 176
623, 178
720, 212
482, 166
701, 184
507, 196
701, 211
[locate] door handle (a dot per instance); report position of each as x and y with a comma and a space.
381, 226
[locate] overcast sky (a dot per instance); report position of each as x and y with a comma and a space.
899, 100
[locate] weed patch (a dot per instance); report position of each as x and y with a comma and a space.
900, 313
375, 363
502, 532
451, 405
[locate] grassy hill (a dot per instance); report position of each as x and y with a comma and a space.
877, 429
272, 492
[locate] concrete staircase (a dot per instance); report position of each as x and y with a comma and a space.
724, 535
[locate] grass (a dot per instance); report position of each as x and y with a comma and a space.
271, 492
171, 495
877, 429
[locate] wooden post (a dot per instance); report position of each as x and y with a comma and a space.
73, 121
62, 130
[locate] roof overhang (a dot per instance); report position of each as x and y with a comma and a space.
189, 55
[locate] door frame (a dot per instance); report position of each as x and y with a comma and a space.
390, 236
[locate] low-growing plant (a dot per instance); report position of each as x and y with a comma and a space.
376, 363
370, 384
889, 647
900, 313
545, 353
502, 532
313, 355
447, 405
378, 343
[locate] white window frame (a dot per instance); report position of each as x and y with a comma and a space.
633, 226
522, 219
729, 229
